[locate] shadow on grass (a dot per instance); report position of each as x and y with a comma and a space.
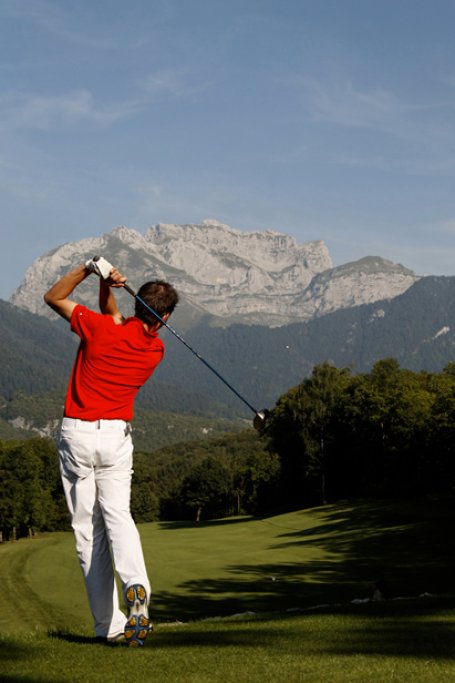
417, 629
10, 652
406, 547
70, 637
406, 543
392, 629
16, 679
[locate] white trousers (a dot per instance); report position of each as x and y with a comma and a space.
96, 465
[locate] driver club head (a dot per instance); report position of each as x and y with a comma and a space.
260, 419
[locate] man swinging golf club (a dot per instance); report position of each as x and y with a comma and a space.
115, 358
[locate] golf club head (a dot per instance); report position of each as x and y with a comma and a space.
260, 419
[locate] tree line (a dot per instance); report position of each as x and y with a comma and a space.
389, 432
211, 478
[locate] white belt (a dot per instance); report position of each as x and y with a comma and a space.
89, 425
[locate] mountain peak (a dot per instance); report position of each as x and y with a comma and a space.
256, 277
216, 224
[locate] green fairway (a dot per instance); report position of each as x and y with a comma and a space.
297, 573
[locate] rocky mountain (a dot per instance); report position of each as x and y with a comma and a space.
417, 328
264, 278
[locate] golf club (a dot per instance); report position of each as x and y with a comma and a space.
260, 415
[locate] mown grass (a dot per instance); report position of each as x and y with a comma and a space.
282, 568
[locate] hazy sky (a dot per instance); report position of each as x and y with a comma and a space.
323, 119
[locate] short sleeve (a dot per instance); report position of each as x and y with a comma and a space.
84, 321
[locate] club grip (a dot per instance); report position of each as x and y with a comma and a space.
129, 290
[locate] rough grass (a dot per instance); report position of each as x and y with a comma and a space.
283, 568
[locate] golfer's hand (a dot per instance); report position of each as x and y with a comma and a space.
115, 279
100, 266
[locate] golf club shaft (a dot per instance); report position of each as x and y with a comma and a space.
198, 355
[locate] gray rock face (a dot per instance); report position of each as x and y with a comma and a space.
254, 277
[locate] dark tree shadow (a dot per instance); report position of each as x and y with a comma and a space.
415, 628
368, 543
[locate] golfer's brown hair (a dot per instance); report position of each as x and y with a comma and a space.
160, 296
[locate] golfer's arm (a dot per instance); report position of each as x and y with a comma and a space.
108, 303
57, 296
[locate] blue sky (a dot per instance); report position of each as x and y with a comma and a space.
323, 119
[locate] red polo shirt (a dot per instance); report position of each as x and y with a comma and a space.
112, 363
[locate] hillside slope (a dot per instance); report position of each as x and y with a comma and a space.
417, 328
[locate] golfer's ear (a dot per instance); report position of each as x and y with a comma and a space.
165, 316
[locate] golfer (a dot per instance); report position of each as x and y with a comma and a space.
115, 358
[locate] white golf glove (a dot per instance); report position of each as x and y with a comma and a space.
100, 266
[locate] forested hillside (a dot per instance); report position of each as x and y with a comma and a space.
36, 355
417, 328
